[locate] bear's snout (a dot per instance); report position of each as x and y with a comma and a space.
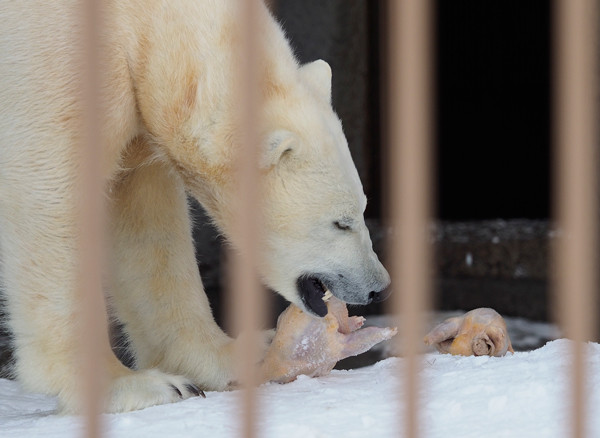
351, 286
378, 297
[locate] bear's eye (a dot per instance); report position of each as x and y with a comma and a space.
342, 225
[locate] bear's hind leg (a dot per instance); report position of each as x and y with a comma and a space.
156, 288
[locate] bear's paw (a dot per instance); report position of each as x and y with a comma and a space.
145, 388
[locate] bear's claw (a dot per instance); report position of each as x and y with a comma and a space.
190, 388
176, 390
195, 390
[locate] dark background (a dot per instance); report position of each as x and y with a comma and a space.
492, 100
493, 79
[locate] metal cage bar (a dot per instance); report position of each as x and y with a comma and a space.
249, 296
575, 255
410, 180
93, 323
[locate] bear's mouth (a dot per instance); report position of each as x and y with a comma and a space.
312, 293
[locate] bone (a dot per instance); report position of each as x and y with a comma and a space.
306, 345
479, 332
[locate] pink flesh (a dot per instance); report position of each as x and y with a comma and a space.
304, 344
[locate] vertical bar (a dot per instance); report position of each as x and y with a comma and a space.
410, 153
91, 226
246, 285
575, 193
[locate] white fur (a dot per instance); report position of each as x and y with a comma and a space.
169, 129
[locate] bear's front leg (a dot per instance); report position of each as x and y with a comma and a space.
157, 291
39, 251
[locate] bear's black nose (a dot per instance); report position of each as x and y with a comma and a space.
378, 297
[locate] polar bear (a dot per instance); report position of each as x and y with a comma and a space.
170, 132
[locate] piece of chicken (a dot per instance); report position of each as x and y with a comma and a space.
304, 344
477, 333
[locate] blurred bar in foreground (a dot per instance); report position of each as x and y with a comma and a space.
93, 324
576, 207
409, 173
245, 286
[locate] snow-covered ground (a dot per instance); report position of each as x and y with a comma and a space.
520, 395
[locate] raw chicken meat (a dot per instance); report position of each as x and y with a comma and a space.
305, 344
479, 332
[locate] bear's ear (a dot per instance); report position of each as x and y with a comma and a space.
278, 143
318, 74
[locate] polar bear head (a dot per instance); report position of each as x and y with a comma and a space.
315, 235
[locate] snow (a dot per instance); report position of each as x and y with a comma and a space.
520, 395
